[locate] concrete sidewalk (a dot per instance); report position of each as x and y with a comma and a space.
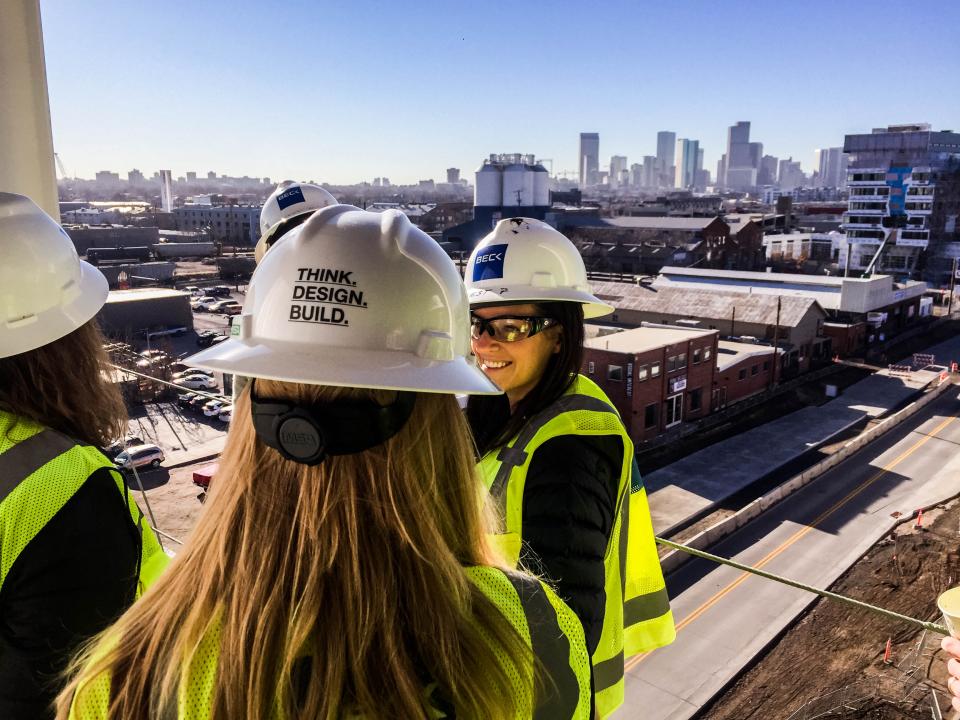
698, 483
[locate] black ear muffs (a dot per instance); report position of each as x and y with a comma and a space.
309, 434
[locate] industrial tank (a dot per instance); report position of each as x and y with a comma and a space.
541, 186
488, 189
517, 184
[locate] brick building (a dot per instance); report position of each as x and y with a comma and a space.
656, 376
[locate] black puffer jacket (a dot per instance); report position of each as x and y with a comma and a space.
569, 502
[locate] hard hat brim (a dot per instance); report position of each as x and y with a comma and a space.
59, 321
593, 307
344, 367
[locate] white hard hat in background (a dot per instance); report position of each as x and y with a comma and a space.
46, 291
356, 299
290, 200
525, 260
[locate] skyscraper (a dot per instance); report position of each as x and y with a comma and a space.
589, 159
685, 176
666, 147
742, 159
453, 176
618, 166
831, 167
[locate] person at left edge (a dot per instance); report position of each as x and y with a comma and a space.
73, 544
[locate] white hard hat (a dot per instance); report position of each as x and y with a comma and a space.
288, 201
526, 260
46, 291
354, 299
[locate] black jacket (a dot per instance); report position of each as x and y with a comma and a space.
76, 576
569, 501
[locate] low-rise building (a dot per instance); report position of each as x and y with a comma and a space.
230, 224
656, 376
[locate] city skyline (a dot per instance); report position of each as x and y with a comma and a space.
340, 100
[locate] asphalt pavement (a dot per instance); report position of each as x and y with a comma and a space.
726, 617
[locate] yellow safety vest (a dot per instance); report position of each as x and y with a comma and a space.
637, 615
40, 470
548, 626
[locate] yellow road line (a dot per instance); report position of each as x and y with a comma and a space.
633, 662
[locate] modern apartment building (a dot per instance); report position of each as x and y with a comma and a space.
904, 185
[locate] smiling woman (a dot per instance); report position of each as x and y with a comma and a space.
555, 455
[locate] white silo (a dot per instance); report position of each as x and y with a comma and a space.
541, 186
488, 189
515, 191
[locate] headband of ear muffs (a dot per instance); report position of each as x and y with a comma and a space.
286, 226
308, 434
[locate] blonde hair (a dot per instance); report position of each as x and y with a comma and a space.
63, 386
356, 564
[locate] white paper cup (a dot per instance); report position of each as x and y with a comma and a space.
949, 604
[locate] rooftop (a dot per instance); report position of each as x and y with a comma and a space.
644, 338
709, 304
137, 294
664, 223
729, 353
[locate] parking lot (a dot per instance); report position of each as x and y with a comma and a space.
190, 441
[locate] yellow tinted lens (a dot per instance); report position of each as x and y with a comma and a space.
510, 329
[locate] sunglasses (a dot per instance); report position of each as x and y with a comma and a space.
509, 328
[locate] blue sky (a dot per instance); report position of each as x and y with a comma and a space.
345, 91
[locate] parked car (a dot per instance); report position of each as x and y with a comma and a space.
118, 446
183, 399
226, 414
189, 373
219, 339
198, 401
197, 382
203, 476
139, 456
206, 338
175, 331
192, 289
233, 309
202, 304
224, 305
151, 354
212, 408
220, 291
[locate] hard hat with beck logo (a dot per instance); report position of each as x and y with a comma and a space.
289, 202
527, 261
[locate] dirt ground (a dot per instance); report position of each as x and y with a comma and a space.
832, 657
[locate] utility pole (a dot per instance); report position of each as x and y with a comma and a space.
733, 318
776, 340
953, 283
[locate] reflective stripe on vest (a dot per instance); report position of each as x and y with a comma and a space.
40, 471
637, 615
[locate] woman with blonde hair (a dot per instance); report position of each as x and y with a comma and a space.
340, 568
73, 544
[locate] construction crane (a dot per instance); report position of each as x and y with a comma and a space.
63, 172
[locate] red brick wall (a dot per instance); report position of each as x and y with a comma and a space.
846, 340
632, 397
751, 384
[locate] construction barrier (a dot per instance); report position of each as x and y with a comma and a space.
713, 534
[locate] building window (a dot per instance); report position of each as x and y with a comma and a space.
766, 365
654, 369
754, 369
650, 416
591, 367
671, 363
681, 361
742, 375
615, 373
696, 356
696, 399
643, 372
706, 354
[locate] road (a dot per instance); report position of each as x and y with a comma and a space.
726, 617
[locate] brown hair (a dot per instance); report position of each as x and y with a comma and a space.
356, 565
489, 416
63, 386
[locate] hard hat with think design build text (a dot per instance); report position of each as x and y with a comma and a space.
356, 299
46, 290
527, 261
